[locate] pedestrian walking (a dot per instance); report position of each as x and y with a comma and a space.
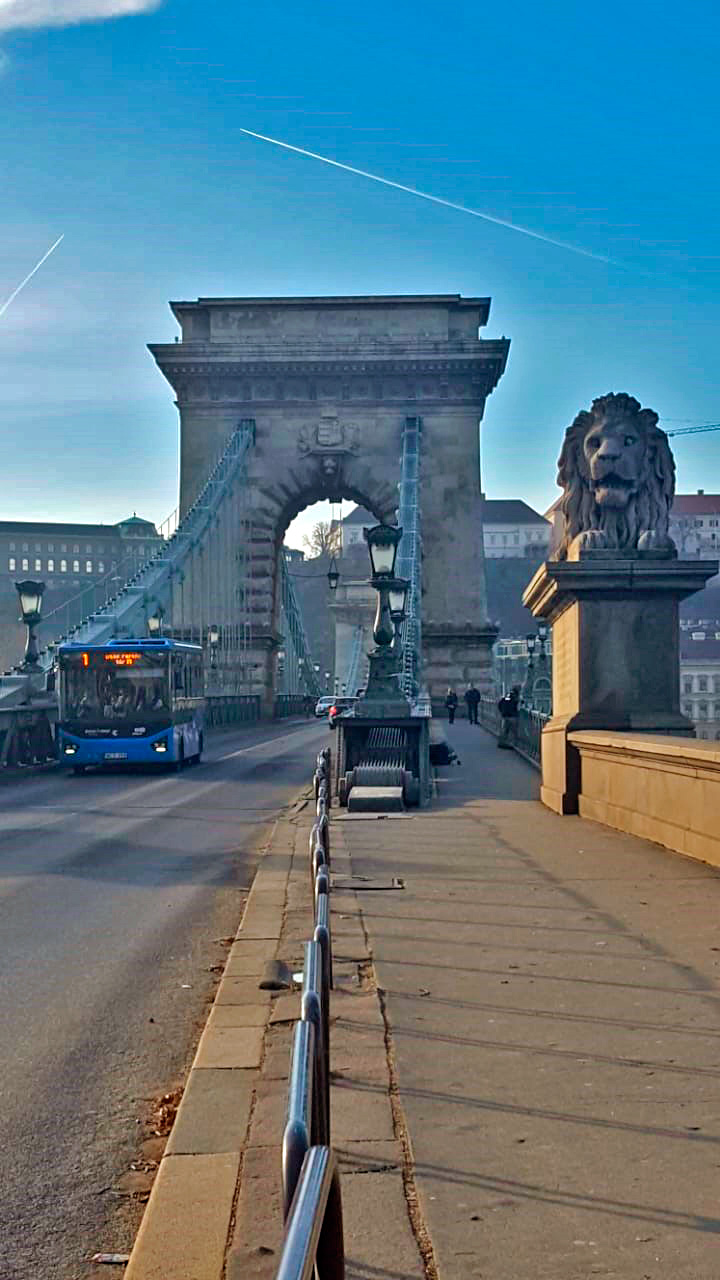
472, 702
508, 708
451, 702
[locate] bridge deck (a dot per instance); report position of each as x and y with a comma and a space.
551, 991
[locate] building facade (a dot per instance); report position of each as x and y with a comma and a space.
80, 564
700, 677
511, 529
352, 528
695, 524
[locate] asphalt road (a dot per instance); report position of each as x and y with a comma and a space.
114, 892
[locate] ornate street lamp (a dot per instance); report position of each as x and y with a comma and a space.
333, 575
530, 640
398, 595
30, 594
213, 641
383, 697
383, 541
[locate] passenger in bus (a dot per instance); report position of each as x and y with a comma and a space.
141, 699
159, 703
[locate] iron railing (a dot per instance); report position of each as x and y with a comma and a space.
232, 708
409, 562
312, 1201
313, 1242
524, 734
353, 671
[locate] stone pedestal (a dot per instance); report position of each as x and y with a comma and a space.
457, 657
616, 655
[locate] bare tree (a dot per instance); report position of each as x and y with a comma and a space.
324, 539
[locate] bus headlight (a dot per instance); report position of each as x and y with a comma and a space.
160, 744
70, 748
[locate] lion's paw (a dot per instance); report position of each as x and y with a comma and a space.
651, 540
592, 540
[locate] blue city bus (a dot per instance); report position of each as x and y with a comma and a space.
130, 702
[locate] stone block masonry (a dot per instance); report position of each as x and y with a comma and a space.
329, 383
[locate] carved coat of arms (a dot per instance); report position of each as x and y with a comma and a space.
329, 438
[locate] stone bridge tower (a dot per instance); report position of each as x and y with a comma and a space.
329, 382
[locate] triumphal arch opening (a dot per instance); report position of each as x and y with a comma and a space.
329, 383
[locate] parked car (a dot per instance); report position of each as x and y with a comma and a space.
338, 707
323, 705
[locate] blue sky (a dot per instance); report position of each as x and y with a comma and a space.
593, 125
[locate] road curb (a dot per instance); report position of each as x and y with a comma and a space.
185, 1226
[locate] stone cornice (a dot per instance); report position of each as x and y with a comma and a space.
558, 583
205, 366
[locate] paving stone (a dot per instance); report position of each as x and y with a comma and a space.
254, 1251
230, 1047
214, 1112
241, 991
184, 1230
238, 1015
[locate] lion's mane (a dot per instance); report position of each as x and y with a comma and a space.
647, 510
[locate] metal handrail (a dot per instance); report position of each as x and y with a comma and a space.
314, 1008
299, 1130
312, 1203
313, 1242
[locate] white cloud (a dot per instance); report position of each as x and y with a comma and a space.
17, 14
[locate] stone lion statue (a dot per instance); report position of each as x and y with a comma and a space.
619, 479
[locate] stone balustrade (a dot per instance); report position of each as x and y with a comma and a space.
659, 787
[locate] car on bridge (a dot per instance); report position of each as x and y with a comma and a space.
323, 705
339, 706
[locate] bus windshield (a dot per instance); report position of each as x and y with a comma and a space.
100, 686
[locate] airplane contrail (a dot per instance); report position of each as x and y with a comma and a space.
4, 306
424, 195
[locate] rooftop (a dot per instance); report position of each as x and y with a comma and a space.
706, 646
359, 515
700, 503
350, 300
510, 511
69, 529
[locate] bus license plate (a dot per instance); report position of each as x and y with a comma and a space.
116, 755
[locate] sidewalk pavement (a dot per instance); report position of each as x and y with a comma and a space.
524, 1035
550, 989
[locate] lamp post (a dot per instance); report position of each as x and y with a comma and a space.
398, 594
213, 640
382, 697
333, 575
542, 689
30, 595
530, 640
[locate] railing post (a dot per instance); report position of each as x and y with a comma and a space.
311, 1010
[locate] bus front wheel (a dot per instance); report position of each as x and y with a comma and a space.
198, 755
181, 757
78, 769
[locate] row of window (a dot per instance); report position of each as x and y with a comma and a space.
513, 539
63, 566
701, 684
702, 710
63, 546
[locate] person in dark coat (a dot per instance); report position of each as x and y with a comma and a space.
508, 708
472, 702
451, 702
